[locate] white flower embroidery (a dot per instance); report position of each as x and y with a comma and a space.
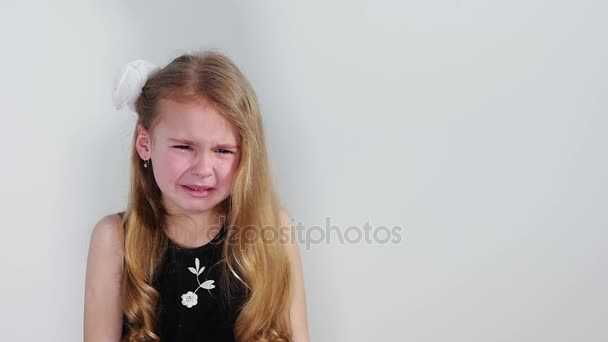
190, 299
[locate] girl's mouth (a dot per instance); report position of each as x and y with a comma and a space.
198, 191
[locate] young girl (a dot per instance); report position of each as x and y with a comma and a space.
203, 251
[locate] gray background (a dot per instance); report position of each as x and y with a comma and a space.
478, 127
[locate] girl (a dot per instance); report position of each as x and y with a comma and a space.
203, 251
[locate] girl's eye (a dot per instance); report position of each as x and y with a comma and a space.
186, 147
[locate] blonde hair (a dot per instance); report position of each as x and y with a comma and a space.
260, 267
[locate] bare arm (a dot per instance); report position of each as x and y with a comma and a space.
102, 304
298, 311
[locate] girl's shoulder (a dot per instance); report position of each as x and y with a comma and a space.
104, 274
106, 240
109, 227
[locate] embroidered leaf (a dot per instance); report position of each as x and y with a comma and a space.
192, 270
201, 270
208, 285
197, 264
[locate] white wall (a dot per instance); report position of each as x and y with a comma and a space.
479, 127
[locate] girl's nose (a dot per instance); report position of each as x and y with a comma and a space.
203, 165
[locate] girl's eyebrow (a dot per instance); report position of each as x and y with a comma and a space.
190, 142
184, 141
228, 146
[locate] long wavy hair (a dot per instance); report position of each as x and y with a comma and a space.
258, 266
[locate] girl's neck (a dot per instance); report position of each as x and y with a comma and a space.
194, 231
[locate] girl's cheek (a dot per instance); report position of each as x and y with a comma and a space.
229, 166
229, 173
177, 157
176, 162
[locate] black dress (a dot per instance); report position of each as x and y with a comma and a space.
191, 305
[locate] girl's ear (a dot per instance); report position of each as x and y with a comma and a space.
143, 142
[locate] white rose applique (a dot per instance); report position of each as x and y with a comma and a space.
190, 298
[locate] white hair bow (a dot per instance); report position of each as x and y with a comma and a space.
129, 82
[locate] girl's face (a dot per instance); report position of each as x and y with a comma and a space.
193, 147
